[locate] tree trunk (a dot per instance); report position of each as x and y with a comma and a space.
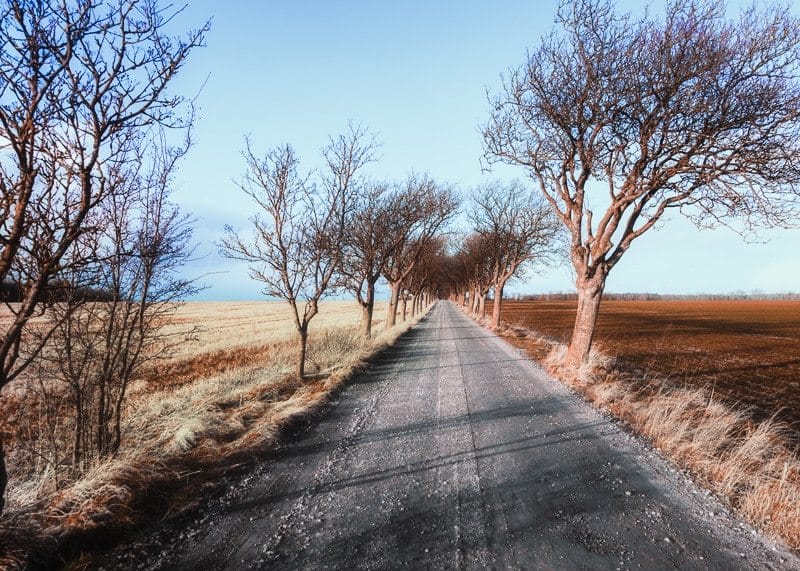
3, 477
590, 292
78, 433
100, 429
404, 302
367, 310
391, 311
498, 304
482, 305
301, 358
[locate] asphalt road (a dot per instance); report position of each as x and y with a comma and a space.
454, 451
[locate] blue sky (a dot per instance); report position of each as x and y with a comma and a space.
415, 73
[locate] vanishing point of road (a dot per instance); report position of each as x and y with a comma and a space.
455, 451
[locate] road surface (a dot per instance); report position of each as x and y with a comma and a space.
454, 451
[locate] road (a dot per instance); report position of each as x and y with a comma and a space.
455, 451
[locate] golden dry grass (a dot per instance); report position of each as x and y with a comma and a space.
751, 464
220, 401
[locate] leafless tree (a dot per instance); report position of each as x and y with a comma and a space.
296, 248
424, 207
422, 279
476, 260
372, 234
518, 228
632, 119
79, 83
110, 319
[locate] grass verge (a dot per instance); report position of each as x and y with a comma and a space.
752, 466
183, 436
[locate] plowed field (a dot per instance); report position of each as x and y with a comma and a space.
748, 351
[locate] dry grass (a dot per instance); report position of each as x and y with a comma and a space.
751, 464
203, 413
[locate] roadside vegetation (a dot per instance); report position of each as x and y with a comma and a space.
618, 122
224, 400
118, 400
745, 453
114, 401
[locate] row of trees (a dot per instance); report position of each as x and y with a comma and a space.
85, 166
513, 230
338, 230
617, 121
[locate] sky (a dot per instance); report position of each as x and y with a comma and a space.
416, 73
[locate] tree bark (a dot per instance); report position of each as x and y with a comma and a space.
590, 293
301, 358
391, 311
497, 306
405, 304
482, 305
3, 477
367, 310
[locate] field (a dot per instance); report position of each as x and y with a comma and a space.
713, 385
748, 351
224, 397
235, 334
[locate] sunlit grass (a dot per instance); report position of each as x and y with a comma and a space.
235, 395
750, 464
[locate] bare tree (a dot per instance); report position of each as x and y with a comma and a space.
476, 260
423, 208
636, 118
518, 229
79, 83
296, 248
424, 275
372, 235
109, 322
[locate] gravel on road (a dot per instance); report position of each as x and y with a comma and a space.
454, 451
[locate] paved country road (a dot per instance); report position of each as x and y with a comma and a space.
454, 451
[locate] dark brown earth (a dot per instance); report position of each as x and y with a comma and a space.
747, 350
455, 451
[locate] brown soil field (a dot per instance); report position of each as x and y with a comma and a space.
747, 351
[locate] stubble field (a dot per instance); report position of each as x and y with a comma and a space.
748, 351
222, 398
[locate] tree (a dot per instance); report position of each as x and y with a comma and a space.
372, 235
422, 209
476, 260
423, 278
97, 347
637, 118
79, 84
517, 228
296, 247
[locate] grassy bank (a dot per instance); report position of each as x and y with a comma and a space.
220, 403
751, 464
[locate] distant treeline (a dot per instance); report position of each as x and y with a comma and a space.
565, 296
11, 292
